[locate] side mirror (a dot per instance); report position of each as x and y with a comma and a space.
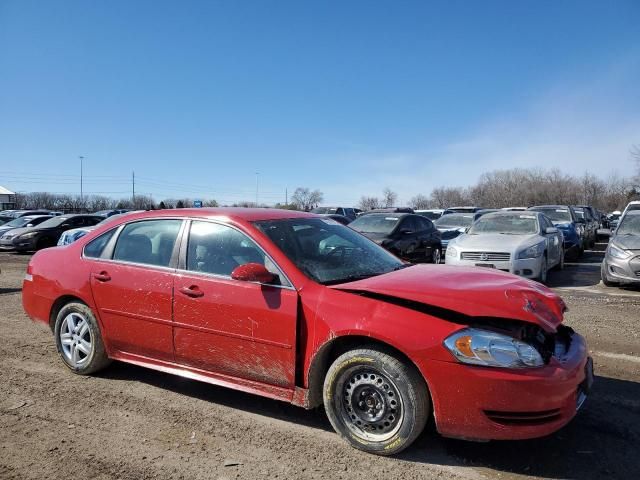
253, 272
551, 230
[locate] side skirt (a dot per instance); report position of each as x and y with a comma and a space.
235, 383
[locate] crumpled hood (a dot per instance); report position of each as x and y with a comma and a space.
471, 291
496, 242
627, 242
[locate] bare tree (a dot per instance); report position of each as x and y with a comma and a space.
389, 197
368, 203
419, 202
305, 199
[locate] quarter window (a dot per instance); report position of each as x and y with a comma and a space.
219, 249
149, 242
95, 247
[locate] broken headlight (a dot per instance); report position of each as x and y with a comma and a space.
490, 349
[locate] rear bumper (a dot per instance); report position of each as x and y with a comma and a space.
484, 403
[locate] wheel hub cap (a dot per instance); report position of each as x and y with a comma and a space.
75, 339
371, 405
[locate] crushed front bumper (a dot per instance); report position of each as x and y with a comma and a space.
485, 403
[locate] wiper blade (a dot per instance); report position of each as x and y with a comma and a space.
350, 278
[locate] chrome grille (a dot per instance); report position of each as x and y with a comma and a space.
486, 256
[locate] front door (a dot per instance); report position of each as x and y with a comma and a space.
241, 329
133, 288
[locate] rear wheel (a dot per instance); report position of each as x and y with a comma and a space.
79, 340
375, 401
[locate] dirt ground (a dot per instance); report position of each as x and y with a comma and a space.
133, 423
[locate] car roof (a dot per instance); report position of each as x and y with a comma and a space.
386, 214
233, 213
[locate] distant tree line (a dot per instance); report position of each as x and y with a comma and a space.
500, 188
520, 187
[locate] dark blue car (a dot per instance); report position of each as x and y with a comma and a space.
564, 218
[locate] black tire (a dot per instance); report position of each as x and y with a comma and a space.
393, 405
96, 358
544, 270
603, 275
560, 265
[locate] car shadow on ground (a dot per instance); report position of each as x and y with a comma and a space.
594, 445
9, 290
582, 272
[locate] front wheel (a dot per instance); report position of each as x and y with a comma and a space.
375, 401
436, 256
78, 339
544, 270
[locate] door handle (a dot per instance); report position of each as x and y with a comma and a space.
192, 291
102, 276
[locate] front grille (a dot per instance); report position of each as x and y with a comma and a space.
486, 256
523, 418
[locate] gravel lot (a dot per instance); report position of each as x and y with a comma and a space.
132, 423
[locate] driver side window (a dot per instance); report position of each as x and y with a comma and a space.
218, 249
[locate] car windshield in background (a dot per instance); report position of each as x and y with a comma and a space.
324, 210
53, 222
556, 214
375, 223
579, 213
328, 252
18, 222
520, 224
430, 215
454, 220
630, 225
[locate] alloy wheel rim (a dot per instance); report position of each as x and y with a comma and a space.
436, 256
371, 405
75, 339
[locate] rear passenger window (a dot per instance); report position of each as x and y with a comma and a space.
95, 247
149, 242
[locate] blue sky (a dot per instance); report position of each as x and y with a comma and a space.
347, 96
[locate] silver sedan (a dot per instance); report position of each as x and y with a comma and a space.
523, 243
621, 262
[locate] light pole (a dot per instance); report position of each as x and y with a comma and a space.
257, 177
81, 191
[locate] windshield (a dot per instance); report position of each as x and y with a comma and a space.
454, 220
18, 222
430, 215
556, 214
324, 210
516, 224
53, 222
375, 223
630, 225
328, 252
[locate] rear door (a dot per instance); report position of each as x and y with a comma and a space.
230, 327
132, 285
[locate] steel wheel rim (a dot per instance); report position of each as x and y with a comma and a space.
371, 405
436, 256
75, 339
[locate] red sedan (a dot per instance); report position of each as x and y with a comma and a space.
299, 308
